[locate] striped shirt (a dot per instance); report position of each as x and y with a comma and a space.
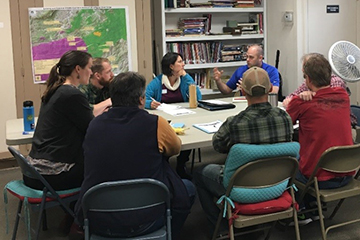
257, 124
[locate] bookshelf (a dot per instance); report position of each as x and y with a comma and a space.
198, 45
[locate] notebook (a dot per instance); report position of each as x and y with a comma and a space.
211, 127
214, 105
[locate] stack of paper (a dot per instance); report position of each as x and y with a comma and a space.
174, 110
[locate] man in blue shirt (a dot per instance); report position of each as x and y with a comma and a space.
254, 58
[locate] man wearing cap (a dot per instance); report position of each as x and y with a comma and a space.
259, 123
97, 91
254, 58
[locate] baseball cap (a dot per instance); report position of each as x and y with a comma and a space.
256, 82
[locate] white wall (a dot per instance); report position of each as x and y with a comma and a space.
283, 36
7, 90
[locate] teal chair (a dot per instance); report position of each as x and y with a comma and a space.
275, 168
38, 200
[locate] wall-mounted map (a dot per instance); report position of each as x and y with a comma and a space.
101, 31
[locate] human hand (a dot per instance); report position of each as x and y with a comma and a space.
286, 102
217, 74
307, 95
238, 84
179, 73
154, 104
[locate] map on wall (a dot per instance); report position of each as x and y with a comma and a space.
100, 31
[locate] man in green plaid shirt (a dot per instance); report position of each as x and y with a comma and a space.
97, 91
259, 123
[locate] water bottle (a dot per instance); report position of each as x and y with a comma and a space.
273, 99
29, 117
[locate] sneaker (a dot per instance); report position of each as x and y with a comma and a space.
303, 219
315, 216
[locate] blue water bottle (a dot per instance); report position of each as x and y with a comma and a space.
29, 118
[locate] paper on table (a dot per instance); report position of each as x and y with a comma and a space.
164, 106
179, 112
211, 127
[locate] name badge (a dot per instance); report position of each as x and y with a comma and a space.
164, 91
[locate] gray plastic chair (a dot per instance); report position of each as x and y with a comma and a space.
39, 200
127, 196
258, 174
341, 159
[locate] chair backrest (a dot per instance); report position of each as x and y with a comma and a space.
340, 159
127, 196
28, 170
264, 173
241, 154
356, 111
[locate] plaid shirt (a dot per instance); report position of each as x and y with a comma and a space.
335, 82
93, 94
258, 124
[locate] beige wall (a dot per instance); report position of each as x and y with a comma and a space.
7, 90
283, 36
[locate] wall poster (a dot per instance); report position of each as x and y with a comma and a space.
101, 31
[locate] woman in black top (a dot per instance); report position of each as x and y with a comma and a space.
64, 117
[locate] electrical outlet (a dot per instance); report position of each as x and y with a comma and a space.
288, 16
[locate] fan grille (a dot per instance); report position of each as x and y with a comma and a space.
344, 58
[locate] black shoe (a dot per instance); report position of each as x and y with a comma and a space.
181, 171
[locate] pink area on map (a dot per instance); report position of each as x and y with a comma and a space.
55, 49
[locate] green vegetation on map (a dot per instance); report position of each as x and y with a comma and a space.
109, 25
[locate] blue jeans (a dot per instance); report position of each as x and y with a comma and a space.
209, 185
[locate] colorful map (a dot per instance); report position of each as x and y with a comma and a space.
101, 31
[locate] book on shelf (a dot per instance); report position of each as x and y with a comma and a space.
202, 4
211, 127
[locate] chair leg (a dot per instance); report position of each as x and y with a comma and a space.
336, 209
41, 214
44, 222
322, 225
218, 223
199, 154
17, 220
296, 221
192, 161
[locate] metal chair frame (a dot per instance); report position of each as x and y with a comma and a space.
127, 196
340, 159
50, 198
272, 171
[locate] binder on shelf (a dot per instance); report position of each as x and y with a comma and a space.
214, 105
